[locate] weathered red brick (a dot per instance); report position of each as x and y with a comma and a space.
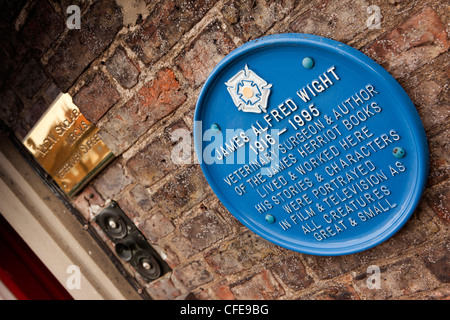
122, 69
88, 202
427, 89
181, 192
169, 136
439, 146
141, 197
339, 291
80, 47
438, 198
412, 44
437, 261
262, 286
165, 26
200, 58
42, 27
242, 253
438, 294
250, 19
419, 228
182, 245
179, 138
293, 273
193, 275
156, 227
338, 20
204, 229
169, 212
169, 256
151, 163
221, 291
157, 98
163, 289
154, 101
111, 182
399, 279
96, 97
128, 206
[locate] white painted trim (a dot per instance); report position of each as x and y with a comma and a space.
5, 293
51, 231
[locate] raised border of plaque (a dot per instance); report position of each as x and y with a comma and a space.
311, 144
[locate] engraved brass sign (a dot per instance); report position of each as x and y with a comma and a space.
67, 146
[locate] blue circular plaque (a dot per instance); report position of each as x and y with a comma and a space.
311, 144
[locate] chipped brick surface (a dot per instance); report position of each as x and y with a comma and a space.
156, 226
165, 26
163, 289
122, 69
439, 200
42, 27
436, 260
411, 44
439, 158
242, 253
340, 21
96, 97
250, 19
403, 278
111, 182
211, 46
204, 229
292, 272
193, 275
152, 163
81, 46
155, 100
181, 192
262, 286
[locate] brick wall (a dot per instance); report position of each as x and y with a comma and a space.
135, 68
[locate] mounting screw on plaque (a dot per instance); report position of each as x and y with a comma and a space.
308, 62
215, 128
130, 243
399, 152
270, 218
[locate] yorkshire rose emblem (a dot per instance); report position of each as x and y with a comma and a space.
249, 91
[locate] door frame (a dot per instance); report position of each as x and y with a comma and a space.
55, 234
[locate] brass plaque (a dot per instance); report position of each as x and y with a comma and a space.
67, 146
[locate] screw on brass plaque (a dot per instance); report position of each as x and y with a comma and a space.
130, 244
